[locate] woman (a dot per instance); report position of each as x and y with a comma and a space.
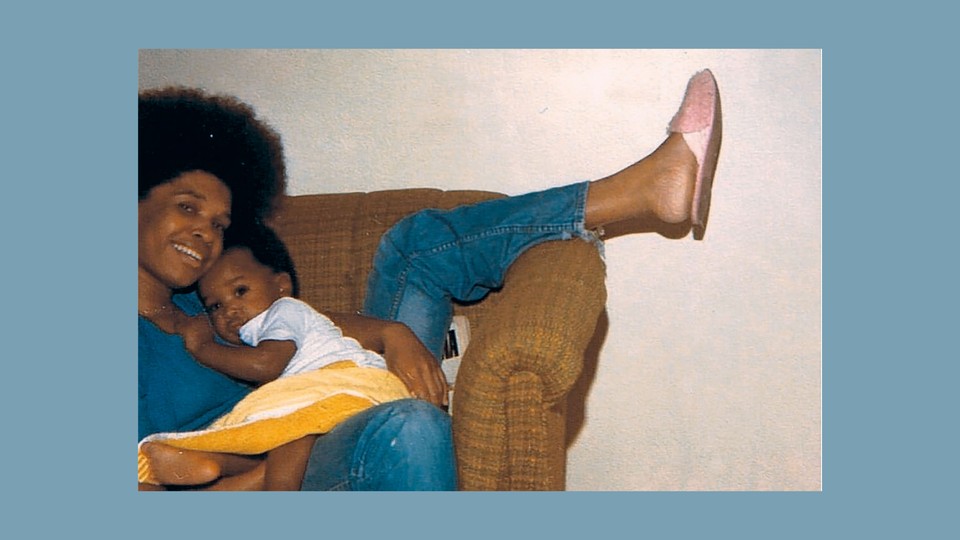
423, 263
206, 163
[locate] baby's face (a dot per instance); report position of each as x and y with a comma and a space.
236, 289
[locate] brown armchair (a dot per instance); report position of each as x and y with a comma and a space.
527, 340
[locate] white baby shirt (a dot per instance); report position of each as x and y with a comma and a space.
319, 341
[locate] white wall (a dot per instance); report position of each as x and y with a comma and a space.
708, 376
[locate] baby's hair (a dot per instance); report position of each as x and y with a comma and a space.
266, 247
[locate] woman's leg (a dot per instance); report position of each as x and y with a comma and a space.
402, 445
433, 257
659, 188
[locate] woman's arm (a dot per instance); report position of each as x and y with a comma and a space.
406, 356
259, 364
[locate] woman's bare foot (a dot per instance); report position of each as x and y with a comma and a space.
671, 193
660, 186
173, 466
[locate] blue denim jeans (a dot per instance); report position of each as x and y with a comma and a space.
424, 263
402, 445
434, 257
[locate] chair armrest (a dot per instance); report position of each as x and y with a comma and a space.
543, 319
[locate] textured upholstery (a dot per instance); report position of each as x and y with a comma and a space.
527, 340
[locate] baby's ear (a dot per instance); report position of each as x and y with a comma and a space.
284, 283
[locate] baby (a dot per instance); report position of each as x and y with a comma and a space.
249, 295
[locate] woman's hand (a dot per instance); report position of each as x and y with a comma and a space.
409, 359
406, 356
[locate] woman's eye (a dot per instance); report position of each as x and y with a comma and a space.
242, 291
188, 208
213, 307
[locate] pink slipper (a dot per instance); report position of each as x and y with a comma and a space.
698, 120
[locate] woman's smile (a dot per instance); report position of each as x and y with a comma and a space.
192, 257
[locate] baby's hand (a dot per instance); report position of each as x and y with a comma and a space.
196, 331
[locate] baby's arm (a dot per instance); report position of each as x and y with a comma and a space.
259, 364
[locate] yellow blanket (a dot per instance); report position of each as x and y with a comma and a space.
285, 410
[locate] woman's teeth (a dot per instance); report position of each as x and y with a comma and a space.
188, 252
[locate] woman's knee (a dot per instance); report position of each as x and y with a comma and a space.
419, 421
415, 449
420, 231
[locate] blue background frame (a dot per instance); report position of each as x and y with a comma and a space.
889, 277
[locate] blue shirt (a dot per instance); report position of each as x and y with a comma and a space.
176, 393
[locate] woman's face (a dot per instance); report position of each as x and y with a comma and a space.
181, 226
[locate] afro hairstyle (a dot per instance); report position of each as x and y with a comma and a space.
184, 129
